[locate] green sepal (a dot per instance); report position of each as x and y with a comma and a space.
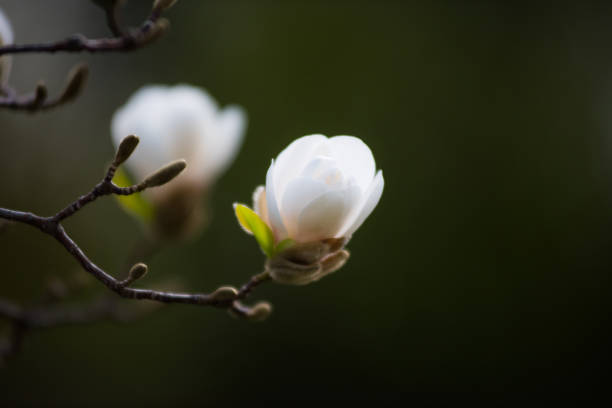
252, 223
284, 244
134, 204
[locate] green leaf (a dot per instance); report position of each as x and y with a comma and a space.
250, 221
133, 204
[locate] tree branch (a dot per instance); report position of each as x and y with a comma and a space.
224, 297
124, 40
149, 30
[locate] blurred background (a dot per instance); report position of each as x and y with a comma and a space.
485, 266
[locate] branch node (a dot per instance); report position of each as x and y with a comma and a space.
224, 294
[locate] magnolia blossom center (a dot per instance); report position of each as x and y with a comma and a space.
326, 170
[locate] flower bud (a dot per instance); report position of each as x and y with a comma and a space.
6, 38
138, 271
75, 83
260, 312
224, 294
125, 149
165, 174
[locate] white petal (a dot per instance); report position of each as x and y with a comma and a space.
354, 158
143, 115
260, 206
276, 222
230, 126
291, 161
6, 30
323, 217
6, 37
175, 122
298, 194
317, 166
369, 202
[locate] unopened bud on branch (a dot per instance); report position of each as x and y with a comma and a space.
165, 174
138, 271
259, 312
161, 5
125, 150
224, 294
76, 82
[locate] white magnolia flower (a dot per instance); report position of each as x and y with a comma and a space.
179, 122
6, 37
319, 188
318, 192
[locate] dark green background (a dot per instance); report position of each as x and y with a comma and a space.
485, 267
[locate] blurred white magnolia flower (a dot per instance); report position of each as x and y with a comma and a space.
179, 122
6, 37
318, 192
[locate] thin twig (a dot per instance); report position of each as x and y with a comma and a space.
148, 31
23, 320
124, 40
52, 226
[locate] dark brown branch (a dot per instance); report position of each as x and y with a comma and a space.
39, 101
124, 40
52, 226
39, 317
255, 281
149, 31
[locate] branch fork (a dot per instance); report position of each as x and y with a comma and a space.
124, 40
225, 297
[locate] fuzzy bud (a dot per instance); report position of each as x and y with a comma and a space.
259, 312
138, 271
165, 174
125, 150
224, 294
75, 83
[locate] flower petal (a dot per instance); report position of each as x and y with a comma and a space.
6, 37
143, 115
354, 158
259, 203
180, 121
291, 161
369, 201
274, 216
222, 146
322, 217
298, 194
